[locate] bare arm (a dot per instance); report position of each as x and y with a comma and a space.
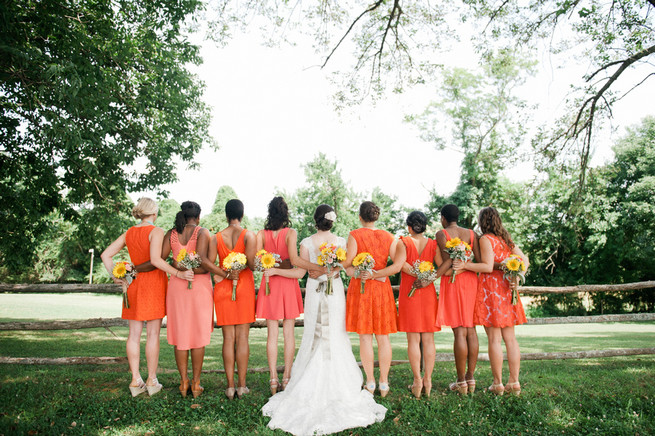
201, 249
158, 250
293, 273
398, 254
109, 253
516, 250
486, 264
292, 244
444, 266
251, 248
351, 252
209, 262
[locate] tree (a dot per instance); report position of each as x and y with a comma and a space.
216, 220
96, 100
487, 127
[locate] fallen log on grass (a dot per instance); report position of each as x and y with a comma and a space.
62, 360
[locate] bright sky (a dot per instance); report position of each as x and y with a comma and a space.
271, 114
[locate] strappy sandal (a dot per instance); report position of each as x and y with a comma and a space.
184, 388
497, 389
242, 390
513, 388
139, 388
370, 386
273, 384
459, 386
154, 387
416, 388
285, 382
229, 393
471, 385
196, 389
384, 389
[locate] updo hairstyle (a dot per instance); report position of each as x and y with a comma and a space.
417, 221
450, 212
144, 207
369, 212
278, 215
190, 209
490, 222
323, 223
234, 210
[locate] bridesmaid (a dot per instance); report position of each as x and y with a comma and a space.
190, 311
236, 316
417, 314
146, 294
374, 311
285, 299
493, 306
457, 301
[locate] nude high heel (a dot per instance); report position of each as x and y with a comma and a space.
273, 384
196, 389
460, 387
384, 389
513, 388
471, 385
370, 386
242, 390
184, 388
154, 387
229, 393
416, 388
139, 388
497, 389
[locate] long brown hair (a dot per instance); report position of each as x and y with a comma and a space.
490, 222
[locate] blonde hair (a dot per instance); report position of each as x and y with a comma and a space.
144, 207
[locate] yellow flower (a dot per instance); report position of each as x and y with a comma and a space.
322, 246
513, 264
360, 258
425, 266
341, 254
453, 243
268, 261
320, 261
234, 257
119, 270
181, 255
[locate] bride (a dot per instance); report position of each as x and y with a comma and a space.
325, 392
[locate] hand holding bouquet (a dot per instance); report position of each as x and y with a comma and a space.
127, 272
330, 257
265, 261
363, 262
458, 250
188, 260
514, 268
234, 262
424, 272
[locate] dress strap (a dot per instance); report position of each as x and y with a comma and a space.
445, 232
472, 237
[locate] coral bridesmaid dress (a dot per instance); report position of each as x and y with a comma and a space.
241, 311
190, 311
374, 311
417, 313
147, 293
493, 306
285, 299
457, 300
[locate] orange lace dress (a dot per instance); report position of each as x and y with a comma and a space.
285, 299
190, 312
457, 300
147, 293
417, 313
241, 311
493, 306
374, 311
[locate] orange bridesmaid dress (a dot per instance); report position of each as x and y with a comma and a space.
493, 306
241, 311
190, 312
457, 300
147, 292
417, 313
374, 311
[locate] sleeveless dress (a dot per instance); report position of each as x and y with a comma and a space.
457, 300
285, 299
241, 311
147, 292
190, 311
374, 311
417, 313
325, 392
493, 306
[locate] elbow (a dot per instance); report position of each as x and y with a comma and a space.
488, 269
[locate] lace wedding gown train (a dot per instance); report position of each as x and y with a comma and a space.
325, 392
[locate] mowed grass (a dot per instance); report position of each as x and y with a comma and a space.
605, 396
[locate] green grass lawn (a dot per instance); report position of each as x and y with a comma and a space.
606, 396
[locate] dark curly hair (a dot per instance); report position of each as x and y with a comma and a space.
369, 212
490, 222
234, 209
450, 212
323, 223
278, 215
417, 221
190, 209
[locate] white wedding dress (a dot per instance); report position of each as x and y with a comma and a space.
325, 392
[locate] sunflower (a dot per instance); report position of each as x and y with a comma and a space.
181, 255
341, 254
425, 266
513, 264
268, 261
453, 243
360, 258
320, 261
260, 252
119, 270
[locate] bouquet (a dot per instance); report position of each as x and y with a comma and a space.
424, 272
265, 260
460, 250
188, 260
127, 271
330, 257
234, 262
514, 267
363, 262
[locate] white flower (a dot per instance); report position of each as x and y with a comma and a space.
331, 216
